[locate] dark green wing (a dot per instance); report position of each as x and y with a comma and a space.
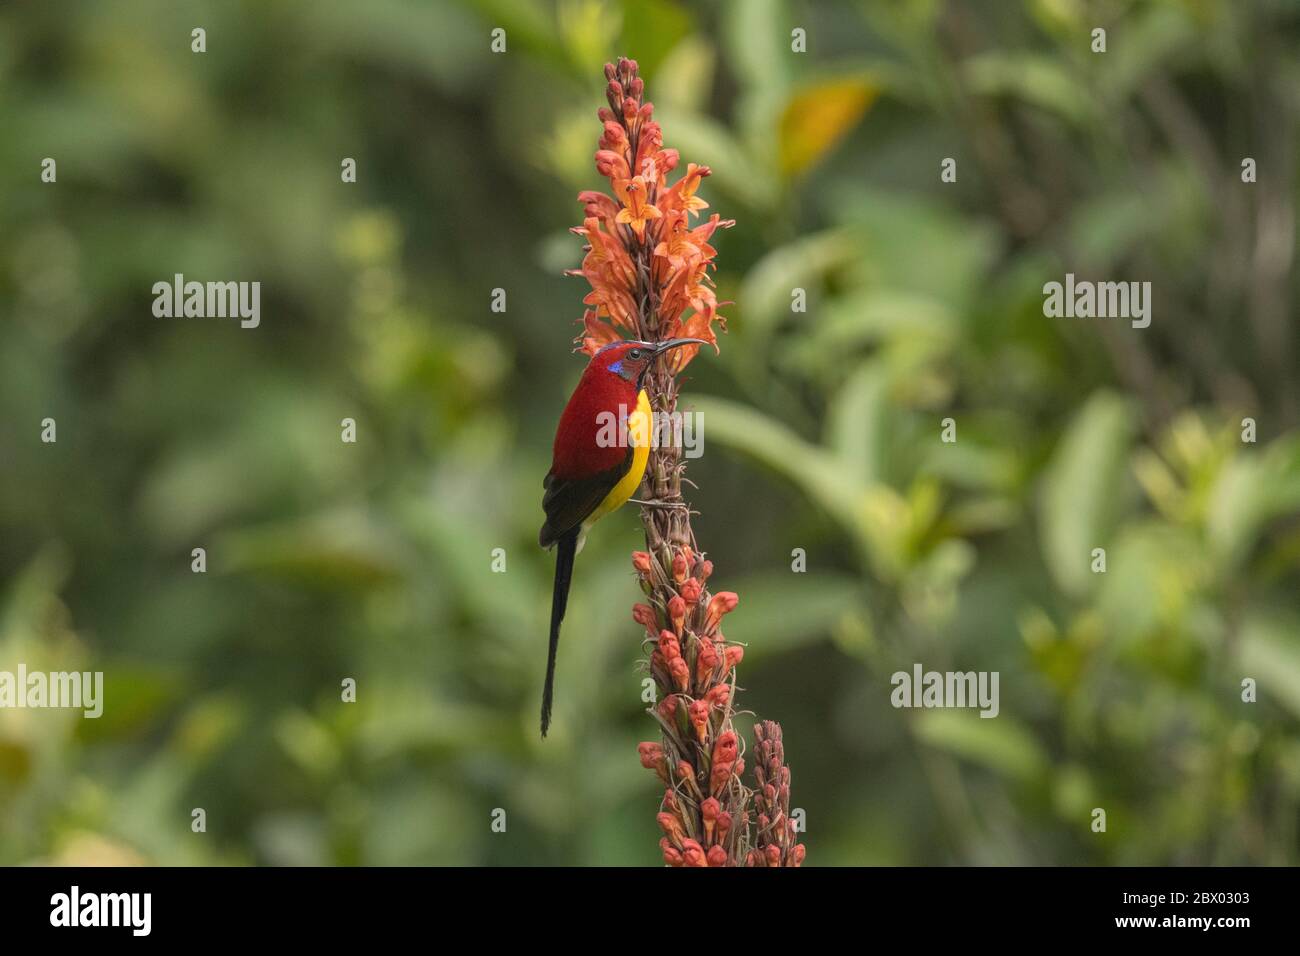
568, 501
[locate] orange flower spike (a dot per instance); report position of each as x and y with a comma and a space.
635, 211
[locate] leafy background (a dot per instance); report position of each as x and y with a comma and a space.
373, 560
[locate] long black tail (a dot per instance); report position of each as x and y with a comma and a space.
565, 549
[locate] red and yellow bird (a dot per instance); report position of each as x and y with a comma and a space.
595, 469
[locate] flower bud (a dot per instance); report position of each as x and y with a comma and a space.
680, 567
644, 615
669, 646
672, 827
677, 612
734, 655
706, 660
652, 758
718, 696
716, 856
693, 854
690, 591
724, 602
698, 714
641, 563
681, 672
672, 856
668, 708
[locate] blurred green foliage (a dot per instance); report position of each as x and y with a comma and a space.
374, 561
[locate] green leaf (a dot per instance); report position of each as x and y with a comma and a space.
1270, 652
1034, 78
783, 610
999, 743
1082, 489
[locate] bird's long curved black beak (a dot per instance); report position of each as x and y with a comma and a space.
662, 347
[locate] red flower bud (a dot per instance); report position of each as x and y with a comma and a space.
773, 854
672, 828
724, 602
717, 856
680, 568
698, 714
718, 696
668, 707
706, 659
652, 758
706, 570
709, 811
677, 612
685, 771
641, 562
734, 655
644, 615
672, 856
725, 748
797, 854
681, 672
669, 646
693, 854
690, 591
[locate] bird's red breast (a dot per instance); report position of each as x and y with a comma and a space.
578, 452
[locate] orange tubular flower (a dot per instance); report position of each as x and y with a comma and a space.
650, 273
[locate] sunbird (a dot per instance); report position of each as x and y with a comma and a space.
594, 470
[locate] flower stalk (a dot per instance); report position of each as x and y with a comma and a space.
649, 269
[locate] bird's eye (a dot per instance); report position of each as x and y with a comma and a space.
634, 354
